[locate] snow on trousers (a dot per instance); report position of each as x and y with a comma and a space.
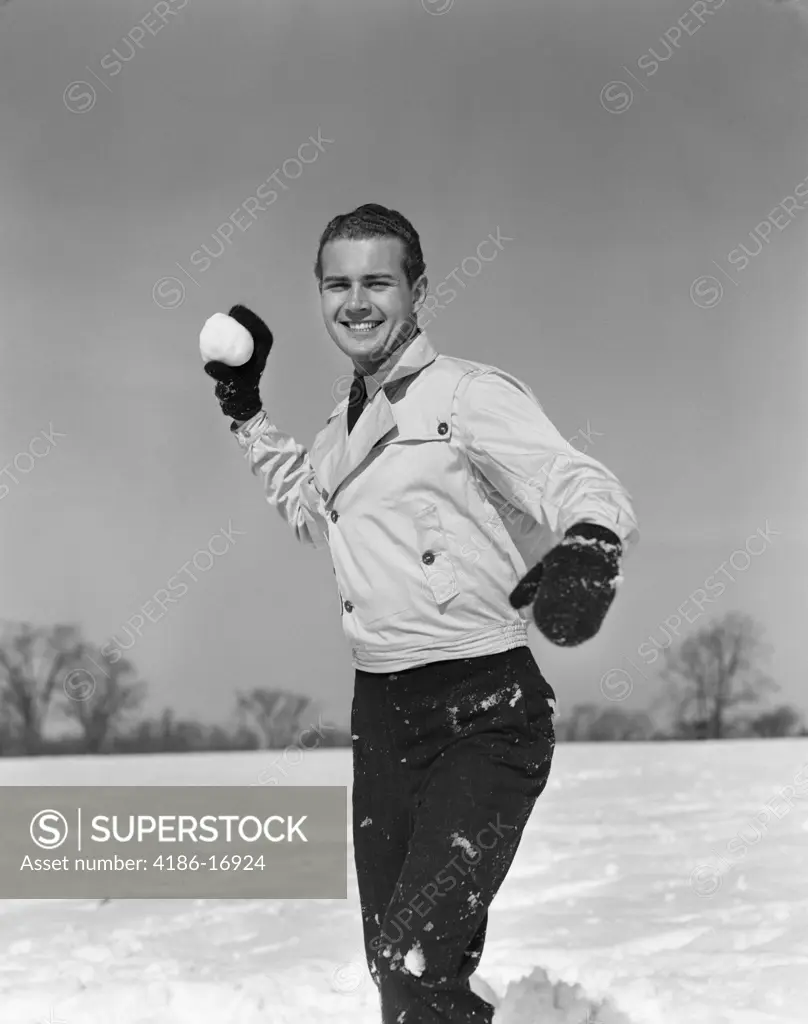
449, 759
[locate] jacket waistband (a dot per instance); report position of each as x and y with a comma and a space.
384, 659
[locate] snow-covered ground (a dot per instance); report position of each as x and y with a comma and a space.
671, 878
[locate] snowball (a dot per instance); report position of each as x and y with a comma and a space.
225, 340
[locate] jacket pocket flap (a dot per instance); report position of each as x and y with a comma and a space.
418, 424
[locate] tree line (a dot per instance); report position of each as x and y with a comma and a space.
712, 686
52, 675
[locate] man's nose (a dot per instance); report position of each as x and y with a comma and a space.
357, 302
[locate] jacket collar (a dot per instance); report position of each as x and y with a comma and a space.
418, 354
336, 453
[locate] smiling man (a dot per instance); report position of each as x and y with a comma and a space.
368, 299
452, 720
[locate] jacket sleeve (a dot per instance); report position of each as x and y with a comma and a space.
288, 477
513, 444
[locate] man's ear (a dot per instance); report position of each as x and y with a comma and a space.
420, 290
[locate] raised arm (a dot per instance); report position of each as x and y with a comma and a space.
282, 464
288, 478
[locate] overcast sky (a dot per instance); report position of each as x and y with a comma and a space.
621, 298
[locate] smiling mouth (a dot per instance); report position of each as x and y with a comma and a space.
364, 327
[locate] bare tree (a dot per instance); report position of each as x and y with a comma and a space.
713, 671
51, 668
32, 662
273, 714
99, 698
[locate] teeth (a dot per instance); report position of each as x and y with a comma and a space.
366, 327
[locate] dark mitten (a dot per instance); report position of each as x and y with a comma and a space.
573, 586
237, 386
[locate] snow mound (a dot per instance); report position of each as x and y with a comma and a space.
536, 998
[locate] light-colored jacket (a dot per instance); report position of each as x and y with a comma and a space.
452, 483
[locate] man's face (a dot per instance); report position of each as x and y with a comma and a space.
368, 306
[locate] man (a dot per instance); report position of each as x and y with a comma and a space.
448, 502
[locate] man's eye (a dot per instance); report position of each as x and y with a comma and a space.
380, 284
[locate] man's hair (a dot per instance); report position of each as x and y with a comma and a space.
375, 221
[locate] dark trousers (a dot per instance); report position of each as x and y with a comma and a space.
449, 759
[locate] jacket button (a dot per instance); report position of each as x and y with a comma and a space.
443, 428
348, 606
334, 516
428, 558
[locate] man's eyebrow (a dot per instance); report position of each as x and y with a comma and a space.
378, 276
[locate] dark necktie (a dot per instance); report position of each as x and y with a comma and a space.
356, 401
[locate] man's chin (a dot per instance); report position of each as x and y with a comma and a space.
375, 351
371, 354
